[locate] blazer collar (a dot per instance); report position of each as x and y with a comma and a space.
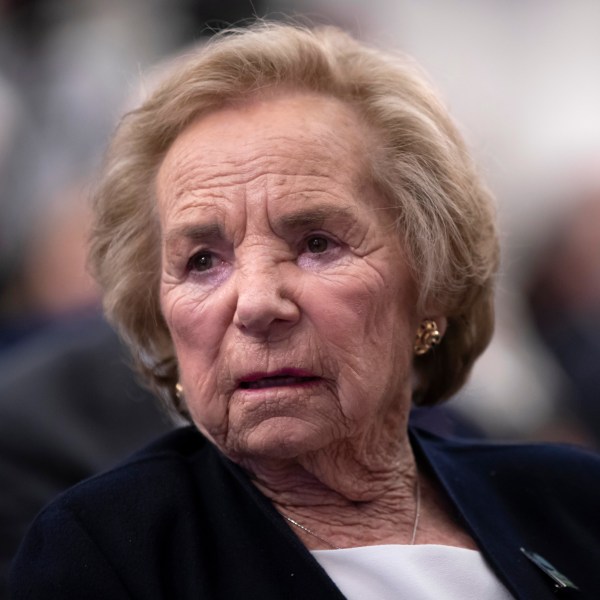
496, 515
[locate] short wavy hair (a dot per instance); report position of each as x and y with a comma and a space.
444, 214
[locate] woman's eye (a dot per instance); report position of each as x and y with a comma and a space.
317, 244
202, 261
319, 251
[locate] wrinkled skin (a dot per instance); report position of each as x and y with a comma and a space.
289, 301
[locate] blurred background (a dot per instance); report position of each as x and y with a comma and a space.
521, 78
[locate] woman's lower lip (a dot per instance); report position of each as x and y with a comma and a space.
278, 382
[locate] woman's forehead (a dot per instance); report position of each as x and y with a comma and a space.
293, 149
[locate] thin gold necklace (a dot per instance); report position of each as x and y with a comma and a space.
334, 547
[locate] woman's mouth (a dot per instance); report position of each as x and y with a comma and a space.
287, 378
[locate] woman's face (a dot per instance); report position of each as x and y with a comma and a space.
283, 284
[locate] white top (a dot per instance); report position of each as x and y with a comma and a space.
422, 572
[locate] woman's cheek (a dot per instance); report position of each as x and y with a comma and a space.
208, 411
185, 302
185, 315
199, 371
185, 309
197, 332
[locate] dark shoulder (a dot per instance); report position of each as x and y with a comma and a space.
164, 471
181, 444
557, 471
516, 454
96, 538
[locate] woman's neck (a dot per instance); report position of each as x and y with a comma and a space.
350, 494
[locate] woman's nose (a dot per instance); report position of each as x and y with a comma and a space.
264, 303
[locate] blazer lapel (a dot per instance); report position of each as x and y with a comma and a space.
500, 515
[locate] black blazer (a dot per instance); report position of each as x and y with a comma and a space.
179, 520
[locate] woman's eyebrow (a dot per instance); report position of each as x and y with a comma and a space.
302, 219
313, 218
195, 234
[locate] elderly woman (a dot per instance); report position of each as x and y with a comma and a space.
294, 241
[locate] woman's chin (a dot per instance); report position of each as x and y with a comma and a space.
281, 438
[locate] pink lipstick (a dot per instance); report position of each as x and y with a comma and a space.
280, 378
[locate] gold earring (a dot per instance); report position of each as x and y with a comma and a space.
428, 336
178, 390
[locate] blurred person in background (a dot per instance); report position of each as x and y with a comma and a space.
515, 390
564, 298
292, 237
70, 407
69, 85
